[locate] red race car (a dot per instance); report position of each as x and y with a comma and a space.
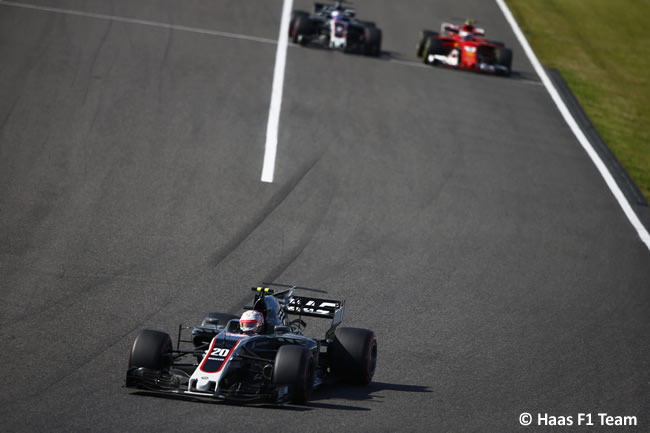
464, 47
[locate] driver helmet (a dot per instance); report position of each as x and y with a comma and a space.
251, 322
337, 15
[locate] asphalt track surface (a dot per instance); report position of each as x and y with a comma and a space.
454, 212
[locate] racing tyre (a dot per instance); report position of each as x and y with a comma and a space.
497, 43
295, 14
353, 355
422, 40
373, 41
217, 319
294, 366
504, 58
432, 46
302, 27
151, 350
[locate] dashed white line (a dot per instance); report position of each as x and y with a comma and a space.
271, 146
602, 168
138, 21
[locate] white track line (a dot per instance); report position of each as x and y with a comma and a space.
602, 168
137, 21
270, 151
271, 146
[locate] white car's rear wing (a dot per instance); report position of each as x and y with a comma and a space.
308, 306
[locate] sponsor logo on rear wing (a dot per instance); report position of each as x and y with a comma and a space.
304, 305
315, 307
324, 8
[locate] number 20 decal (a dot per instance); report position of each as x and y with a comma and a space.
220, 352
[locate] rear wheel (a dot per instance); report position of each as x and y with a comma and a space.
353, 355
422, 40
151, 350
497, 43
373, 41
503, 57
295, 366
432, 46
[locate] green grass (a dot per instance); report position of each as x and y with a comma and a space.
602, 48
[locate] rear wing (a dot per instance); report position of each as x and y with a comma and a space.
448, 28
305, 305
326, 9
316, 307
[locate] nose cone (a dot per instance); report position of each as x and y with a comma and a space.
205, 384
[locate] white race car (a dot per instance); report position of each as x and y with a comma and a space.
334, 26
277, 364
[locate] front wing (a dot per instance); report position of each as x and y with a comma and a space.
178, 382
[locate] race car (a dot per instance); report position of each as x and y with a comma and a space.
334, 26
464, 47
262, 357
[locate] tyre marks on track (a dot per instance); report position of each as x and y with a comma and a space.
274, 203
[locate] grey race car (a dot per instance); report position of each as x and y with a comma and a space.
335, 26
278, 366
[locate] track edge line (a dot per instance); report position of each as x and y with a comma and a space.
575, 128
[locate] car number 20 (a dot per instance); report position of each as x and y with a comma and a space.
220, 352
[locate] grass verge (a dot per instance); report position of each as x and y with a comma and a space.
602, 48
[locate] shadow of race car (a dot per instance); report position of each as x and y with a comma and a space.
334, 26
277, 365
464, 47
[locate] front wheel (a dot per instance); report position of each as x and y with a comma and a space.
295, 366
422, 40
432, 46
151, 350
302, 30
504, 58
373, 41
353, 355
294, 15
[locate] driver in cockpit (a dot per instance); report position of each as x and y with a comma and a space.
251, 322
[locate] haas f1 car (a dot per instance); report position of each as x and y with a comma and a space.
277, 364
334, 26
464, 47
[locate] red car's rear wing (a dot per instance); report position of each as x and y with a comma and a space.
448, 28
